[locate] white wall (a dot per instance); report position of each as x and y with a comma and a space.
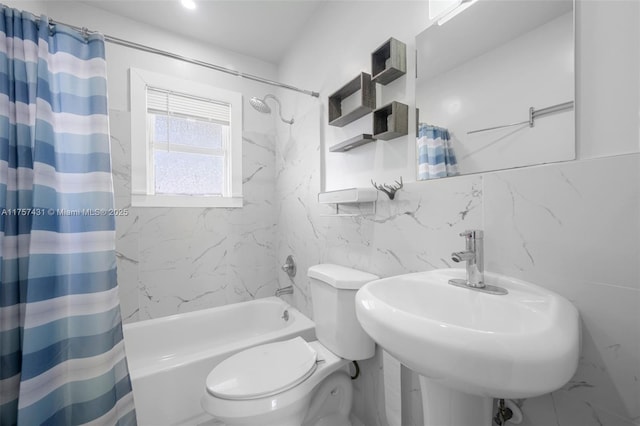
572, 227
173, 260
334, 49
607, 87
120, 59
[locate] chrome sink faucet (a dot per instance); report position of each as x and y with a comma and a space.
474, 256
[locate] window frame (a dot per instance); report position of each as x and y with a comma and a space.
142, 183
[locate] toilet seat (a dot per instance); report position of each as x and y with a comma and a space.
263, 370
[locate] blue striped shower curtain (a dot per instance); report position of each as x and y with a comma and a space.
62, 358
436, 158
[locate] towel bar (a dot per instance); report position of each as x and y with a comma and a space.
533, 114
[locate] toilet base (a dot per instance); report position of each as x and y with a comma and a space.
333, 420
331, 402
292, 414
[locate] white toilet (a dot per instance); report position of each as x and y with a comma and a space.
294, 383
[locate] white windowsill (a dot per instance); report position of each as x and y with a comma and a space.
184, 201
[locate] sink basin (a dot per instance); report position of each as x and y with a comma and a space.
519, 345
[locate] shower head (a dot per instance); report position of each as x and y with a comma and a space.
261, 106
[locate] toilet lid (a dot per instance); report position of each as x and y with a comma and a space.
263, 370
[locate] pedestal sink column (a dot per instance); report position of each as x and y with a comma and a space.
443, 406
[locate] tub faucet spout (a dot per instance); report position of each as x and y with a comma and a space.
284, 290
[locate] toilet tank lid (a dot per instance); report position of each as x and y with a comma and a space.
340, 276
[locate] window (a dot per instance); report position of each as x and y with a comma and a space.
186, 143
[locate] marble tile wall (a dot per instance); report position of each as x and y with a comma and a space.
572, 227
173, 260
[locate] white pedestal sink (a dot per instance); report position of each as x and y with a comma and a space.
470, 347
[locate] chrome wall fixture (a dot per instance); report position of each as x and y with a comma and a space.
280, 292
290, 266
261, 106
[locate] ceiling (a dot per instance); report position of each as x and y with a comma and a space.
263, 29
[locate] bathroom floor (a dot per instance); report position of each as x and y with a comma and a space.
213, 422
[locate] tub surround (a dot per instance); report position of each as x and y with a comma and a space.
173, 260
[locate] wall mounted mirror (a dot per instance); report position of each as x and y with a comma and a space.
495, 88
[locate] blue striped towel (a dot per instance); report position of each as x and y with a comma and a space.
436, 158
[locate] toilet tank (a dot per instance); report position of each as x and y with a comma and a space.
333, 292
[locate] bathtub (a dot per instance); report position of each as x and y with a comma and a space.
169, 358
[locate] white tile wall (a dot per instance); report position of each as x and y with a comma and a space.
571, 227
574, 228
173, 260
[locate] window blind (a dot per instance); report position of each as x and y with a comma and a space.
162, 101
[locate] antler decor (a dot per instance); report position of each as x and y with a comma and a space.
388, 189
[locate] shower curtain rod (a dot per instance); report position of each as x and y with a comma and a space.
149, 49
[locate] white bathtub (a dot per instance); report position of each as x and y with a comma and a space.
169, 358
